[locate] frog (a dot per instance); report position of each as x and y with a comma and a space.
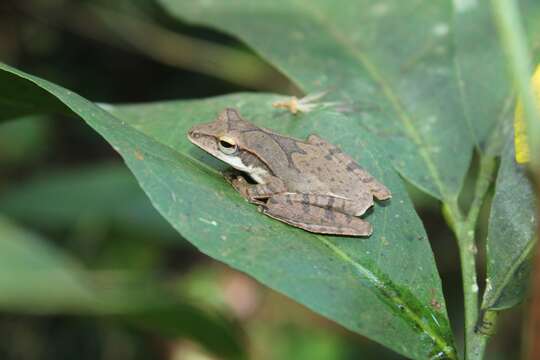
310, 184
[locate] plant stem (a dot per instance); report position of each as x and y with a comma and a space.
485, 328
464, 229
467, 251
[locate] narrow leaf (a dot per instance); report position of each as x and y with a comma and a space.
511, 235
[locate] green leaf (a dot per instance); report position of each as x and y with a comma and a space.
385, 287
105, 193
36, 277
23, 140
485, 89
511, 235
390, 62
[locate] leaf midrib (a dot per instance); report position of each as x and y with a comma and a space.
434, 335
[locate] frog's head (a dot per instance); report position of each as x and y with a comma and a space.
222, 137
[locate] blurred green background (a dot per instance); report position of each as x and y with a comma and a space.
104, 230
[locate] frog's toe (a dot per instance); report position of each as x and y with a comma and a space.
359, 206
381, 193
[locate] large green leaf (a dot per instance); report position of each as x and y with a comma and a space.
485, 88
385, 287
480, 64
389, 61
511, 235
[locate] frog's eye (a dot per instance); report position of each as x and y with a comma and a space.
227, 145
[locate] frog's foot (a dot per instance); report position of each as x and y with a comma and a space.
231, 175
254, 193
380, 191
316, 219
238, 182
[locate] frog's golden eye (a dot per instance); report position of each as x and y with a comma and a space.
227, 145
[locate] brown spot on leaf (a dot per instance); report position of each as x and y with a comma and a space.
434, 303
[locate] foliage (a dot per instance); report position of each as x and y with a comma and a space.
412, 91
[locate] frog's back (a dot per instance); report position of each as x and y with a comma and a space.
325, 165
323, 172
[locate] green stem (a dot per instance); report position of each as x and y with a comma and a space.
484, 329
467, 251
483, 182
464, 229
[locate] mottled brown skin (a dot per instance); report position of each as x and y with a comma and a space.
309, 184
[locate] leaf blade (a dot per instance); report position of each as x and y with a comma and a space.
485, 90
148, 119
191, 195
511, 235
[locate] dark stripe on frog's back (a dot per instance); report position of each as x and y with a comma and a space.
249, 159
282, 148
287, 145
235, 122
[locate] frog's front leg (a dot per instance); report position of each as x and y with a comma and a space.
254, 193
314, 213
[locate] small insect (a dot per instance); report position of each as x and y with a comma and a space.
486, 323
304, 105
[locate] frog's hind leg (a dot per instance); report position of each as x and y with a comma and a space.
377, 189
313, 218
356, 207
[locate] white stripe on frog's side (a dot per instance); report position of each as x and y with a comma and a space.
257, 174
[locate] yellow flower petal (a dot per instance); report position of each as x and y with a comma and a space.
520, 130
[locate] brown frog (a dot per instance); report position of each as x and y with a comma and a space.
309, 184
